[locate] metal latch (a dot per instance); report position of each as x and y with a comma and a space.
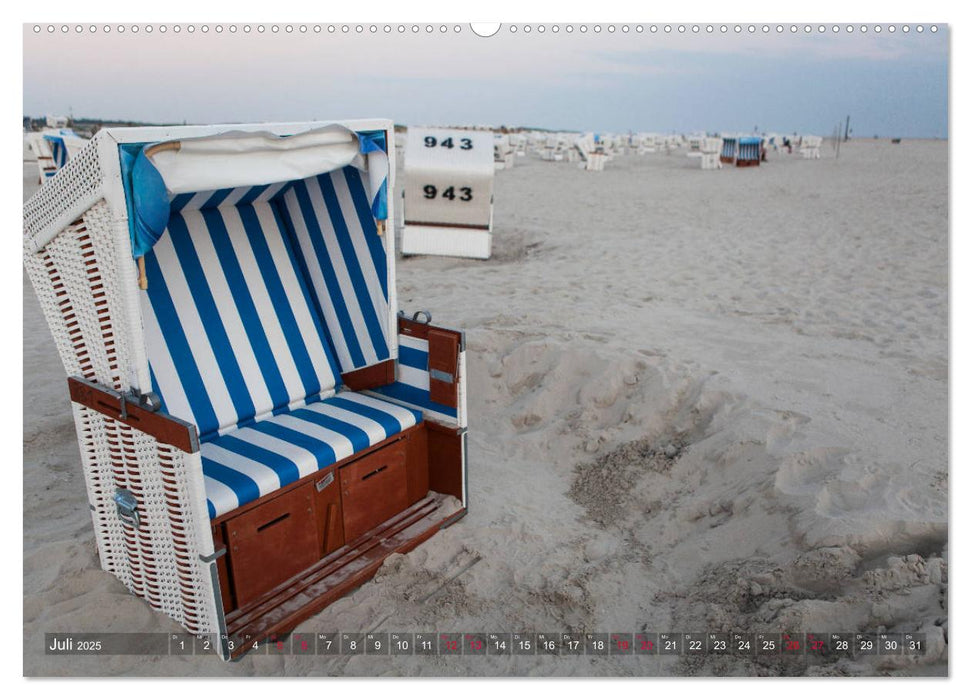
127, 507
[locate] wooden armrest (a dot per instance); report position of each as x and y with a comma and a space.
161, 426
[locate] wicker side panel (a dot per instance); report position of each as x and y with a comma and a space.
67, 195
84, 278
76, 278
160, 560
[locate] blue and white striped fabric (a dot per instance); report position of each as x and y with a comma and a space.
251, 462
230, 331
750, 148
226, 197
344, 261
58, 150
729, 147
413, 378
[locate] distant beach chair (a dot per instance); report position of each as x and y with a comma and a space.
504, 155
591, 152
53, 148
810, 146
259, 427
694, 146
729, 152
65, 144
553, 148
710, 149
518, 143
749, 151
449, 175
646, 143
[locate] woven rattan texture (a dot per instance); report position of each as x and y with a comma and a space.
84, 279
71, 191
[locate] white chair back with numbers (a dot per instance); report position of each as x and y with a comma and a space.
448, 187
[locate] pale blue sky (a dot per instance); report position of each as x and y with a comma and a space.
891, 84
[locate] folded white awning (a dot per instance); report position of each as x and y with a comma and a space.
241, 158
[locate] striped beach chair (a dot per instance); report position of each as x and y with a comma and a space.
749, 151
260, 427
729, 152
53, 148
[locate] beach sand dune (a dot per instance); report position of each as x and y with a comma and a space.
699, 401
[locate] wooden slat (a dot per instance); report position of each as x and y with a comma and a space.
370, 377
443, 367
161, 426
417, 329
445, 455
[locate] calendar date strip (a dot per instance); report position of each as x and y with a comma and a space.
559, 644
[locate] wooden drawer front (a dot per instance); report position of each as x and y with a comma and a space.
273, 542
373, 489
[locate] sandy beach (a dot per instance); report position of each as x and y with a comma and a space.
699, 401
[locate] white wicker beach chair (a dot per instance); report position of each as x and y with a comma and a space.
710, 149
53, 148
449, 176
591, 152
259, 428
504, 152
810, 146
646, 143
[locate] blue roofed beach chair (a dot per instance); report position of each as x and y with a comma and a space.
750, 151
259, 426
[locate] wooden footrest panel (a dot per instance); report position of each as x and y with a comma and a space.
283, 608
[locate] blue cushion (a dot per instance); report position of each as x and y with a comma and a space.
245, 464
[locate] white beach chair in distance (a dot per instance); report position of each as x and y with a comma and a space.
591, 151
259, 426
810, 146
710, 149
504, 155
646, 143
693, 146
518, 144
53, 148
448, 191
40, 149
